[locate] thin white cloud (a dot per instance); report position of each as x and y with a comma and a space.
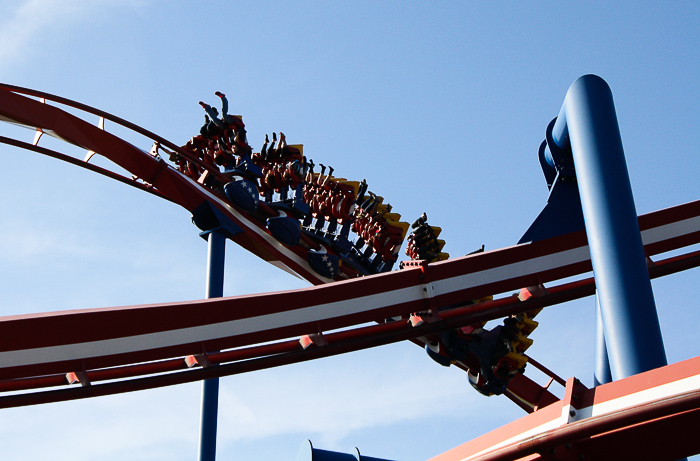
109, 426
321, 400
23, 22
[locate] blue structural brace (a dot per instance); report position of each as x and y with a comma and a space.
601, 374
210, 388
587, 127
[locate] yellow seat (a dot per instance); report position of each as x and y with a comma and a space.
392, 217
520, 360
522, 343
401, 225
526, 325
298, 146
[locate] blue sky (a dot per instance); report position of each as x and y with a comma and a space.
441, 107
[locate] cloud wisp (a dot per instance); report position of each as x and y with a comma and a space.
25, 23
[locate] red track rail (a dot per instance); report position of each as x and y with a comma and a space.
652, 415
251, 358
98, 338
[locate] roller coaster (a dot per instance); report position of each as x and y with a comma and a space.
345, 241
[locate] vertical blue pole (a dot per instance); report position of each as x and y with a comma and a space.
210, 387
587, 123
601, 374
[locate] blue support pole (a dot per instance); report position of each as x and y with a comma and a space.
210, 388
587, 125
601, 374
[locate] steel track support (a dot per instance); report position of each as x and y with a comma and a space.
210, 387
601, 374
587, 126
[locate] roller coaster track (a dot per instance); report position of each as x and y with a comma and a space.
122, 349
652, 415
151, 172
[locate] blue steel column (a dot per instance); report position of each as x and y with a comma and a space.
587, 123
601, 374
210, 387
